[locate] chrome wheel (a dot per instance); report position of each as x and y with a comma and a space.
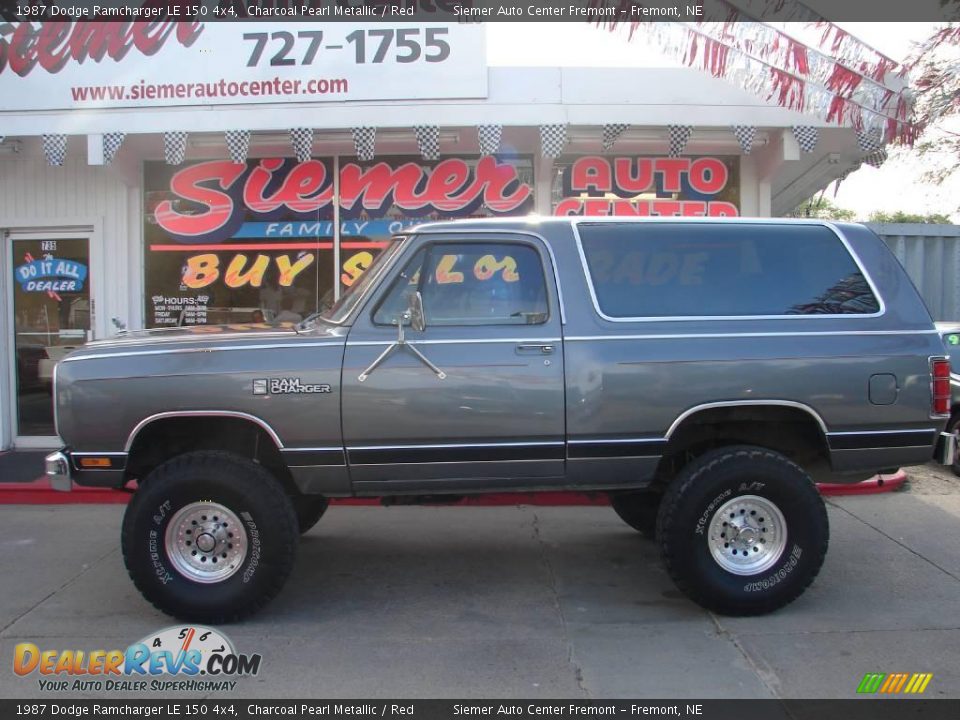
206, 542
747, 535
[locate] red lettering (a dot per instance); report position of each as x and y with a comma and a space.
149, 37
446, 180
567, 206
590, 173
186, 184
722, 209
708, 176
55, 43
52, 49
666, 208
627, 182
298, 191
445, 188
672, 170
631, 208
693, 208
596, 207
23, 49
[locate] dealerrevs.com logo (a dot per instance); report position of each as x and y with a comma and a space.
177, 658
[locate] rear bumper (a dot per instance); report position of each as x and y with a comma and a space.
946, 450
57, 467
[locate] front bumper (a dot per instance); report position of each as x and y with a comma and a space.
946, 451
57, 466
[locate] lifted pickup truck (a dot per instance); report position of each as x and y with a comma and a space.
703, 373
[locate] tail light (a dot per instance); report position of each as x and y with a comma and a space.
940, 386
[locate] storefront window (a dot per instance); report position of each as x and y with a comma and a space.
641, 186
381, 198
255, 242
237, 243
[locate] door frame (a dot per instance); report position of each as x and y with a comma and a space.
63, 228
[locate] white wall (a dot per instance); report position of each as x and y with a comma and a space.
35, 196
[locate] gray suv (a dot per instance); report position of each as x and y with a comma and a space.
704, 373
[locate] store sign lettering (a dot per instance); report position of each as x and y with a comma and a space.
203, 270
51, 275
53, 44
227, 193
614, 186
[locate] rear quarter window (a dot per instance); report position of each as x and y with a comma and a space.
719, 270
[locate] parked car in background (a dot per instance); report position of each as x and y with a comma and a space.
950, 332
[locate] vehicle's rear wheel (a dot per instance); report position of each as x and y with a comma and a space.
954, 427
743, 530
638, 510
209, 537
309, 510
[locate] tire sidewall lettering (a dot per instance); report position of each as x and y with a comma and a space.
793, 559
255, 552
708, 512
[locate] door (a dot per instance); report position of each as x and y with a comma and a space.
476, 400
51, 315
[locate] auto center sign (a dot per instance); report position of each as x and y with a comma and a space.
65, 65
640, 186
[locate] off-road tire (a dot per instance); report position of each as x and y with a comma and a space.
691, 503
638, 510
309, 509
245, 488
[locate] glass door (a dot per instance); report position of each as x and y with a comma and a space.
51, 317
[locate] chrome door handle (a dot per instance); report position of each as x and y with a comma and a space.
535, 349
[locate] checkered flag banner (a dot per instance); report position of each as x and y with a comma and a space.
489, 138
174, 147
552, 140
111, 144
55, 148
365, 142
870, 141
876, 158
745, 135
679, 135
612, 133
302, 141
807, 137
238, 145
428, 141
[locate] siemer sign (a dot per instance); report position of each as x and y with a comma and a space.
72, 65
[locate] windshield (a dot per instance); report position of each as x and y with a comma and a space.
341, 309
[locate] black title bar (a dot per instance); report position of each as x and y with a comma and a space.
480, 10
557, 709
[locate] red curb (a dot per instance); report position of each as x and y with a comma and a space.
873, 486
39, 492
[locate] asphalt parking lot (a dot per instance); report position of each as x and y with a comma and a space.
523, 601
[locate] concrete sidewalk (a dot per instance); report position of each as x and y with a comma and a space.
519, 602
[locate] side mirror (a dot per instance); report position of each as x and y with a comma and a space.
415, 311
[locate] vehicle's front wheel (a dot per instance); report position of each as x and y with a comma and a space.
209, 537
743, 530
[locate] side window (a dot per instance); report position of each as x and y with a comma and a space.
398, 298
471, 284
741, 270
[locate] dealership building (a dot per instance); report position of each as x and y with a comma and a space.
203, 173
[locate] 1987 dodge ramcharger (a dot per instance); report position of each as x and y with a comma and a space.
704, 373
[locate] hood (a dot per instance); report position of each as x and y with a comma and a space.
200, 337
196, 333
